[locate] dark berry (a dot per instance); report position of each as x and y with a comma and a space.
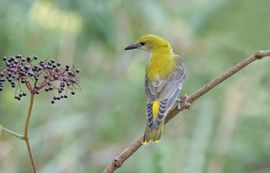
28, 59
43, 74
18, 56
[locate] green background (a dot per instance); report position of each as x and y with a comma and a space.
225, 131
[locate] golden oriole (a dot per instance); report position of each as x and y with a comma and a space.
165, 74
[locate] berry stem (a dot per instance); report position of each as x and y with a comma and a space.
28, 85
42, 85
26, 137
30, 155
29, 115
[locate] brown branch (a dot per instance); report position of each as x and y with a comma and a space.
186, 103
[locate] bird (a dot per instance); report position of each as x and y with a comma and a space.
164, 78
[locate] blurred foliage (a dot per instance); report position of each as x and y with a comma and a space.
226, 131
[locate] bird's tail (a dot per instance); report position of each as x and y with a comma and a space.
153, 135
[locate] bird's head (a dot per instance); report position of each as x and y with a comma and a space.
149, 43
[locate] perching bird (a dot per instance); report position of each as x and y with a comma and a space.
165, 74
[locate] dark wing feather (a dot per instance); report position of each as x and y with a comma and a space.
166, 91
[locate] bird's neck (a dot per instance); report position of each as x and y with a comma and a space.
166, 51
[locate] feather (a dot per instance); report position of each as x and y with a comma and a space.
165, 91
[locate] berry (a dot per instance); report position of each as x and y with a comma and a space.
28, 59
50, 75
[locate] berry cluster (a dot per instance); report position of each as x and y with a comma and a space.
36, 75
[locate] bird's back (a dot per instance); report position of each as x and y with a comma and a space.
161, 64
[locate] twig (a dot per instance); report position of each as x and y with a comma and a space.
26, 137
30, 155
186, 103
13, 133
29, 115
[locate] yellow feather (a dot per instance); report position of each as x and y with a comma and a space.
161, 63
155, 109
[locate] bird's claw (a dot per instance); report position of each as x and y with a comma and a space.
178, 102
184, 101
117, 162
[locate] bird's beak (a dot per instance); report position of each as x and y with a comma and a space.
133, 46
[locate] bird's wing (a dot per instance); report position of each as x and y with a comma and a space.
166, 91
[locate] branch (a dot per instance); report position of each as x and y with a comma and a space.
186, 103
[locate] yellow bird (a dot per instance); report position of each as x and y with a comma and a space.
165, 74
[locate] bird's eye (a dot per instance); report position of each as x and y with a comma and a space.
142, 43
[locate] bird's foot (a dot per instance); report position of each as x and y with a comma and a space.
178, 102
117, 162
184, 102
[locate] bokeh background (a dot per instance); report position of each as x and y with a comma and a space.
226, 130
